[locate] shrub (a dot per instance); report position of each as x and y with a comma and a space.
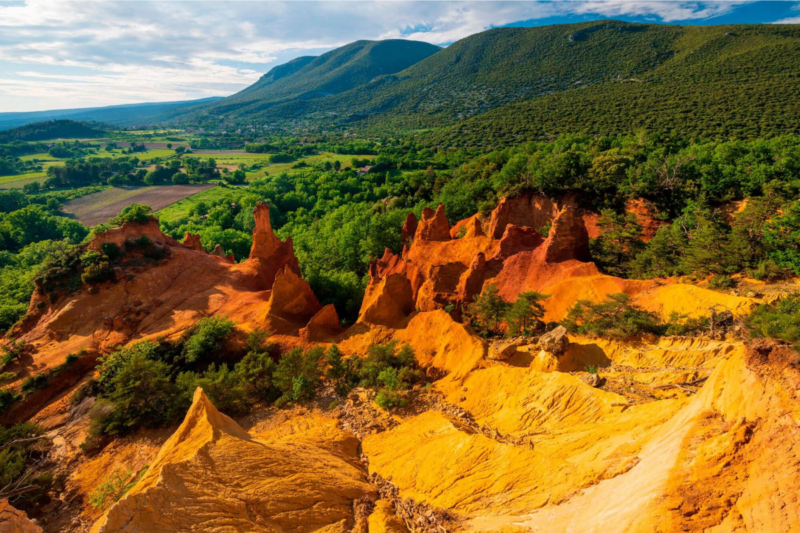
682, 325
33, 383
11, 352
5, 377
111, 251
133, 213
71, 358
224, 387
616, 317
592, 369
721, 281
778, 320
297, 375
142, 395
342, 373
257, 370
206, 338
7, 397
20, 462
114, 488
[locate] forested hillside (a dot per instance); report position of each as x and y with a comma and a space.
54, 129
337, 71
510, 84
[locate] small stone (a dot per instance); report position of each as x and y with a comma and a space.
593, 380
555, 341
502, 350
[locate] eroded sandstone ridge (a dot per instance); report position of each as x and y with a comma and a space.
211, 475
442, 266
164, 297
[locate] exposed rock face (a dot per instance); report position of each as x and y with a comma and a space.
131, 231
163, 298
387, 301
291, 304
193, 241
269, 254
555, 341
644, 212
211, 475
467, 228
15, 521
533, 211
323, 326
409, 228
568, 238
433, 226
218, 251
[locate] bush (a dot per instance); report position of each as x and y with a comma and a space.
114, 488
778, 320
133, 213
206, 338
7, 397
20, 463
142, 395
721, 281
5, 377
225, 388
616, 317
257, 370
681, 325
11, 352
297, 375
35, 383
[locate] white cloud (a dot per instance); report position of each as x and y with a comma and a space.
72, 53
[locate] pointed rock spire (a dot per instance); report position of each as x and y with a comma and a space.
433, 226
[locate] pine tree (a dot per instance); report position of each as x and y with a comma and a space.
525, 313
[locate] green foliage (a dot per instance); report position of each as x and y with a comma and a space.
778, 320
592, 369
206, 339
224, 387
7, 397
137, 213
114, 487
34, 383
23, 449
616, 317
5, 377
682, 325
525, 314
618, 243
721, 282
52, 129
11, 352
488, 311
783, 235
297, 375
256, 370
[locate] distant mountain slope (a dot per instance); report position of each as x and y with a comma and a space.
119, 115
54, 129
596, 76
731, 82
337, 71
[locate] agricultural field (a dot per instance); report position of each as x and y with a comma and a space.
182, 207
20, 180
230, 160
99, 207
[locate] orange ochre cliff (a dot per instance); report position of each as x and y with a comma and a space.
664, 435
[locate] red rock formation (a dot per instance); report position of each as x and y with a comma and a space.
269, 254
533, 211
388, 300
409, 228
568, 238
516, 239
291, 303
469, 227
471, 282
433, 226
322, 326
130, 232
645, 213
193, 241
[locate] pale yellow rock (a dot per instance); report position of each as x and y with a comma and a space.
212, 476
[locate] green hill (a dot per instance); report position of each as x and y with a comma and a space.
509, 84
332, 73
53, 129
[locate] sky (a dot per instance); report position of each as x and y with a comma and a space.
64, 54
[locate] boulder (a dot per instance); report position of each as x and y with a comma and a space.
593, 380
555, 341
13, 520
502, 350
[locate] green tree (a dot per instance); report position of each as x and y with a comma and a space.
524, 314
488, 310
617, 317
618, 243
